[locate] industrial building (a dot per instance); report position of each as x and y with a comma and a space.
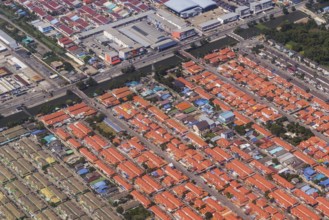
190, 8
112, 57
208, 25
147, 35
229, 17
260, 6
243, 11
165, 21
182, 34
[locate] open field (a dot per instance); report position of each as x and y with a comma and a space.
105, 128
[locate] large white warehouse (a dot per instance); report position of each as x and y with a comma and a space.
190, 8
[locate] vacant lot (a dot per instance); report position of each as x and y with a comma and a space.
247, 33
271, 24
105, 128
134, 76
14, 119
209, 47
291, 17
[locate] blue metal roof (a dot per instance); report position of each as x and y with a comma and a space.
324, 183
227, 114
308, 171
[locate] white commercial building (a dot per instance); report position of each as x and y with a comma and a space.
190, 8
243, 11
8, 40
261, 6
229, 17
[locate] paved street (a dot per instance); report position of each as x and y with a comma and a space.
158, 151
258, 99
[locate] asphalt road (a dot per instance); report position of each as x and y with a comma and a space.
285, 74
158, 151
324, 81
32, 99
258, 99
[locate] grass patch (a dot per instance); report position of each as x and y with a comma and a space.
23, 23
105, 128
261, 26
307, 39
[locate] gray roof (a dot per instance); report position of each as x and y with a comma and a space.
180, 5
204, 3
175, 21
143, 33
209, 22
240, 8
228, 16
264, 1
6, 38
115, 24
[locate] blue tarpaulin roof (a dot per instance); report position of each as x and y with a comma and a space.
83, 171
201, 102
319, 176
99, 184
166, 106
165, 96
311, 191
305, 188
324, 183
38, 132
308, 171
102, 191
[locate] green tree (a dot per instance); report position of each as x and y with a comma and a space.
69, 92
285, 11
130, 97
86, 59
91, 82
69, 102
275, 161
68, 66
120, 210
208, 215
81, 85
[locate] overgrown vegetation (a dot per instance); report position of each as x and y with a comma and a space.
139, 213
242, 129
272, 22
317, 6
310, 40
23, 23
281, 128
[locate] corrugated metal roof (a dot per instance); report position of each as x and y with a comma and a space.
181, 5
